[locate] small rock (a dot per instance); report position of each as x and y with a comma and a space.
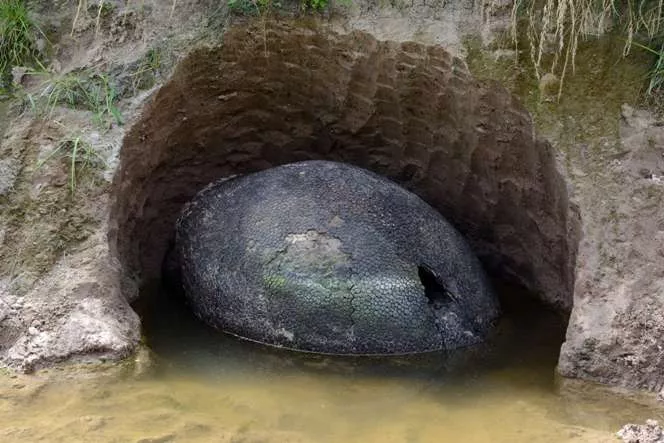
92, 422
636, 118
18, 73
41, 45
651, 432
56, 66
509, 54
548, 86
8, 174
162, 439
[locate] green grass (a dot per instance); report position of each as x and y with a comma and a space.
79, 155
79, 90
147, 71
315, 5
253, 7
18, 35
243, 7
656, 80
657, 74
264, 7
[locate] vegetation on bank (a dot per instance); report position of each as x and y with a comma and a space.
71, 154
263, 7
18, 39
550, 26
80, 156
23, 55
559, 26
556, 26
656, 82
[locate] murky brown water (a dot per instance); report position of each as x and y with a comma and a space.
207, 387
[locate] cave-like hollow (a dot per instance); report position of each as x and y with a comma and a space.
413, 113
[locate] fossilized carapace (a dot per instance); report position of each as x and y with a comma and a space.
326, 257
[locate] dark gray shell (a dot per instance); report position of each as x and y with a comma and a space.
326, 257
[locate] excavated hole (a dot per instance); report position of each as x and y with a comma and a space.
434, 290
409, 112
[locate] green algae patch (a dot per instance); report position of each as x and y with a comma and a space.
592, 94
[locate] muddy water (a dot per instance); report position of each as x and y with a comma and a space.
207, 387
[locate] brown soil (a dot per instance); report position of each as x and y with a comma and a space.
407, 111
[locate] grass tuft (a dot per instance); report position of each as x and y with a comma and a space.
315, 5
656, 81
265, 7
147, 71
18, 38
253, 7
79, 155
80, 90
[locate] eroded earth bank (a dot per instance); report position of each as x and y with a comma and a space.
576, 220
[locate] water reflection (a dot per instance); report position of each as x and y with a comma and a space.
528, 337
